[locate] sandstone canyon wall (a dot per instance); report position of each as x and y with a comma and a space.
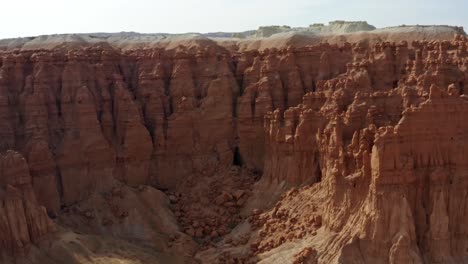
81, 117
376, 134
388, 145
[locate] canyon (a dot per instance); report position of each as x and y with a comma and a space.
350, 149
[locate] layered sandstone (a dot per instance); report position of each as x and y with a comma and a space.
147, 116
23, 220
385, 149
370, 140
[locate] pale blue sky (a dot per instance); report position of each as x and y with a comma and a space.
22, 18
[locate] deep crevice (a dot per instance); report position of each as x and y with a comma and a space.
237, 159
318, 169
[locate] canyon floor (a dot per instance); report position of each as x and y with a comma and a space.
337, 143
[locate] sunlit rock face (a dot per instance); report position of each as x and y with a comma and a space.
82, 117
376, 133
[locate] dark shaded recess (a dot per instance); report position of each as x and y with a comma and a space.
51, 214
234, 106
164, 190
318, 173
257, 174
252, 104
59, 181
318, 170
237, 159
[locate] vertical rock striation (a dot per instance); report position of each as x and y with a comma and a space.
379, 129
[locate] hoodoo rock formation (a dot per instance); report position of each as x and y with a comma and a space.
352, 153
22, 220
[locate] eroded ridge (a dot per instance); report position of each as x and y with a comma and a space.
326, 153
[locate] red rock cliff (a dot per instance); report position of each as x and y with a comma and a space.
380, 129
386, 142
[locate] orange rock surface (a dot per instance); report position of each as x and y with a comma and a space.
320, 154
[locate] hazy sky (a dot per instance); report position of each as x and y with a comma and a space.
21, 18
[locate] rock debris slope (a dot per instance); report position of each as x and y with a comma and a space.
327, 153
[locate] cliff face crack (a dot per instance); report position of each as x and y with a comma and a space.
237, 159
